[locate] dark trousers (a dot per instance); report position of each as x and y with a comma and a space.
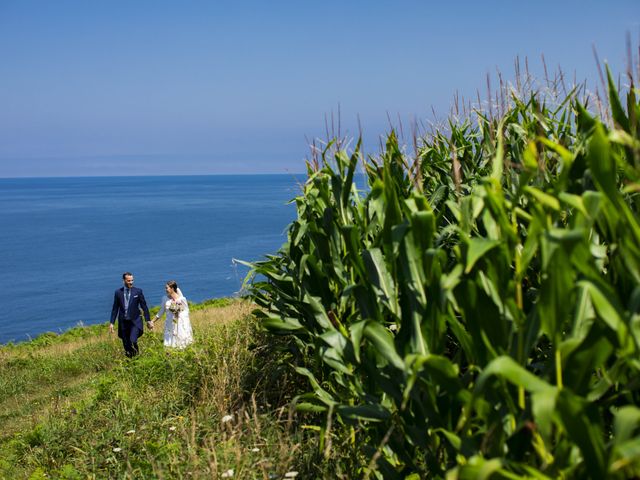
130, 334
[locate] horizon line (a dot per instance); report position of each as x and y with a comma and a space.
43, 177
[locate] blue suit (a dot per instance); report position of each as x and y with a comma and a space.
130, 326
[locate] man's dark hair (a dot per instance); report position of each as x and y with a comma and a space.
125, 274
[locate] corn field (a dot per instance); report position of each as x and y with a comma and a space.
474, 311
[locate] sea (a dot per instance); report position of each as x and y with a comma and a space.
65, 242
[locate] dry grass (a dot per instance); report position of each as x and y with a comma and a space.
54, 350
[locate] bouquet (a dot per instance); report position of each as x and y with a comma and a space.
175, 308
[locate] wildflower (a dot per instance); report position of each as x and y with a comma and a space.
255, 449
227, 418
228, 473
117, 449
172, 428
293, 474
130, 432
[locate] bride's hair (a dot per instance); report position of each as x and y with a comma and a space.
172, 285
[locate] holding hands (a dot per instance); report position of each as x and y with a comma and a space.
177, 330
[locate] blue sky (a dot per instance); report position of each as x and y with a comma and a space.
195, 87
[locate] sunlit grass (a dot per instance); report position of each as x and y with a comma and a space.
76, 408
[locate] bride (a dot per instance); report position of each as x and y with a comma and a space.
177, 328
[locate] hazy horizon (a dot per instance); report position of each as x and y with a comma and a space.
143, 175
165, 88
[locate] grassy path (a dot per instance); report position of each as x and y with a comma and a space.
73, 407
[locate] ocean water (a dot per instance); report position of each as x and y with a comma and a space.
66, 241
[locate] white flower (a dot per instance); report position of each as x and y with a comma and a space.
117, 449
293, 474
227, 418
130, 432
228, 473
172, 429
255, 450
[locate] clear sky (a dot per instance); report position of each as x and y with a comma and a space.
200, 87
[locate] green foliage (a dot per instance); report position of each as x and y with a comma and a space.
476, 312
212, 302
80, 409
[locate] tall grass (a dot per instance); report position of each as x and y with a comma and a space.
75, 408
475, 312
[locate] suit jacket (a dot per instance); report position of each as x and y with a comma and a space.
132, 314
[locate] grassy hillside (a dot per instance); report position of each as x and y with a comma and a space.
71, 405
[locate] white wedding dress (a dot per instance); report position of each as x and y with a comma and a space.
177, 328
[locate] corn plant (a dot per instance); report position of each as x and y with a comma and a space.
475, 313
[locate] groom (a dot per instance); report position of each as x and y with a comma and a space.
127, 303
